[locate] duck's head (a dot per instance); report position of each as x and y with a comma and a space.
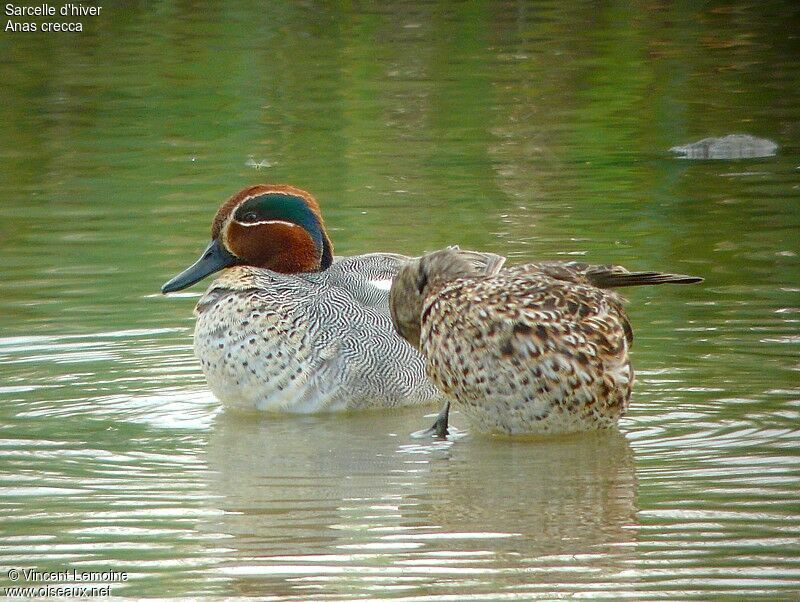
425, 276
267, 226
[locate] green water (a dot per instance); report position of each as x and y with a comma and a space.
533, 130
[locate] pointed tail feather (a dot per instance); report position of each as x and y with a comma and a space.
605, 278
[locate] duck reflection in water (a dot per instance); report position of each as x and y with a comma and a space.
302, 512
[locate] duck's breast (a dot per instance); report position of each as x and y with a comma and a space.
305, 343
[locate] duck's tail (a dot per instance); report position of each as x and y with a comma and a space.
614, 277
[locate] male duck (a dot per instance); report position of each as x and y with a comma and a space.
536, 348
290, 328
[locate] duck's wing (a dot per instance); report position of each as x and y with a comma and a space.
601, 276
377, 266
485, 264
366, 278
373, 266
369, 277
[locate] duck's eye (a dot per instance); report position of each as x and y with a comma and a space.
249, 217
422, 280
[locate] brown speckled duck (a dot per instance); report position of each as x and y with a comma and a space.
530, 349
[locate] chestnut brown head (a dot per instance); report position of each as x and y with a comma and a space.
276, 227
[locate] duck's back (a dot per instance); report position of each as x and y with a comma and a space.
308, 342
527, 353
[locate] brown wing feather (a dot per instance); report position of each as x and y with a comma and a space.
601, 276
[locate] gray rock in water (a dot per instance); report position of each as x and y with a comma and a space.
734, 146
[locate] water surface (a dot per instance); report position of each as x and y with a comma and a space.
533, 130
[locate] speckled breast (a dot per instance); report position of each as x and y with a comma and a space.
255, 358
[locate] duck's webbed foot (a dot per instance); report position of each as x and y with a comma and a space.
439, 427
